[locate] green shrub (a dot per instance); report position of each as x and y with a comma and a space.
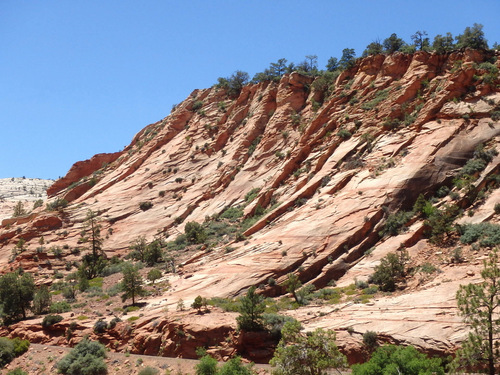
86, 358
488, 234
195, 233
253, 145
395, 222
370, 339
235, 367
360, 284
380, 96
472, 167
11, 348
206, 366
427, 268
197, 105
443, 191
327, 294
60, 307
392, 268
17, 371
344, 134
232, 213
370, 290
100, 326
251, 195
145, 205
225, 304
391, 124
274, 323
392, 359
457, 256
149, 371
6, 351
57, 205
497, 208
51, 320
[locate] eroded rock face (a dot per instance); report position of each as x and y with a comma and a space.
329, 173
82, 169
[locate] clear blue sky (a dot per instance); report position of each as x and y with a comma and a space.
80, 77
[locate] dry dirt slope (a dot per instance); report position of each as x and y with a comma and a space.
328, 164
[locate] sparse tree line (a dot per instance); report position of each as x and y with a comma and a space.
472, 37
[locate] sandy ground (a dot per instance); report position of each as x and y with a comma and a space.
42, 359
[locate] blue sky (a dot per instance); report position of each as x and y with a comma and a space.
82, 77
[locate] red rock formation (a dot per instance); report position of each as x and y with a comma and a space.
82, 169
414, 120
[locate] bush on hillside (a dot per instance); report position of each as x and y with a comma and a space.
85, 358
392, 359
50, 320
391, 269
11, 348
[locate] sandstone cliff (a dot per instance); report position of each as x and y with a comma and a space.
327, 163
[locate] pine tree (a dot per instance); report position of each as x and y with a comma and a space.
131, 283
479, 304
93, 262
292, 284
19, 210
42, 300
251, 310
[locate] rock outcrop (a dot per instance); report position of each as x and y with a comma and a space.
328, 162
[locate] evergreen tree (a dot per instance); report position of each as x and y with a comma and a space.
348, 58
278, 68
393, 44
197, 303
251, 310
420, 40
479, 304
195, 233
153, 253
94, 262
138, 247
42, 300
292, 283
19, 209
131, 283
374, 48
16, 293
473, 37
154, 275
332, 65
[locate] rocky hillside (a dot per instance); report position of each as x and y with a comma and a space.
308, 176
21, 189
